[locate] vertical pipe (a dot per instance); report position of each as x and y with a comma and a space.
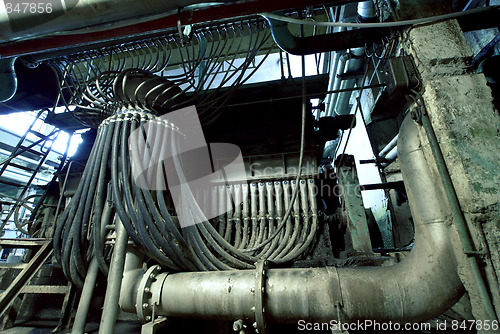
460, 221
110, 309
132, 271
86, 298
90, 280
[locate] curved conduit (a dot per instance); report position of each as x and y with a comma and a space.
424, 285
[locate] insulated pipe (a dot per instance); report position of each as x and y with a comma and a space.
388, 147
389, 153
18, 21
423, 285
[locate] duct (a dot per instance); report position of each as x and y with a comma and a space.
18, 21
338, 41
422, 286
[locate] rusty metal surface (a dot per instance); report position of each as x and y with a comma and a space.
353, 207
23, 243
25, 275
45, 289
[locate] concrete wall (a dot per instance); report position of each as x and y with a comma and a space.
467, 125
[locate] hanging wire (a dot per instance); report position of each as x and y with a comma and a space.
212, 58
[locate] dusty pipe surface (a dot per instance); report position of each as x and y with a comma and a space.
20, 19
422, 286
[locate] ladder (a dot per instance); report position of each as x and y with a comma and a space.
36, 148
10, 299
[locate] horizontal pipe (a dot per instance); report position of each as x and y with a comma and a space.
56, 16
422, 286
337, 41
87, 40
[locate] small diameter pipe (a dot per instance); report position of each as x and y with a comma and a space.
89, 285
459, 217
388, 147
86, 298
110, 308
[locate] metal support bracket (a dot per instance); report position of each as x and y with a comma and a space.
152, 326
353, 207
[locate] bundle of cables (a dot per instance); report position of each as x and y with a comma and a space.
273, 220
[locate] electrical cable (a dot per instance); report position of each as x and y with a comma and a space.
431, 19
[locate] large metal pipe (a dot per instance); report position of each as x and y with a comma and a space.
22, 20
88, 40
422, 286
460, 221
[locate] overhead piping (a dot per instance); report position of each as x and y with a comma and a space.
337, 41
19, 22
425, 284
86, 40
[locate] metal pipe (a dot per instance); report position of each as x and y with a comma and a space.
366, 12
337, 82
89, 39
89, 285
388, 147
424, 285
19, 22
353, 66
390, 156
336, 41
86, 298
110, 308
459, 217
133, 271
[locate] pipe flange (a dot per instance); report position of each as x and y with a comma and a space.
260, 291
144, 294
